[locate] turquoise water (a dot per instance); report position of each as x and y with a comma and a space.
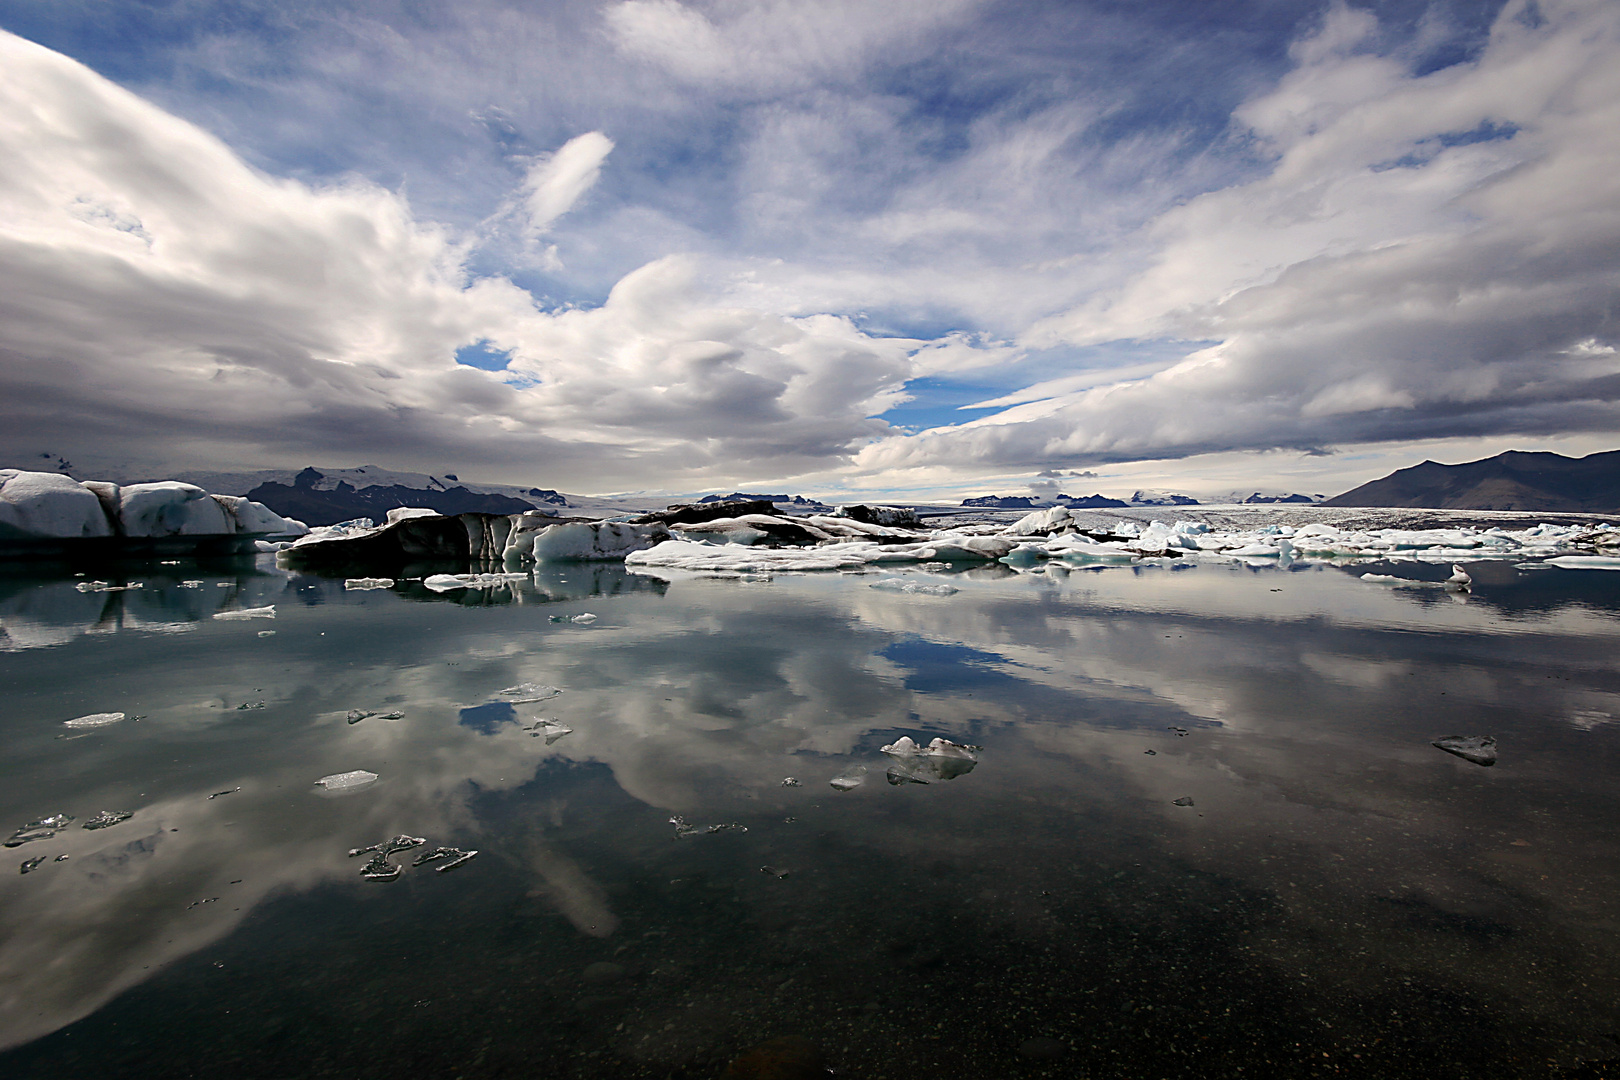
1340, 898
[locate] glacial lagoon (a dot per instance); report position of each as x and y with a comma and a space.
1205, 832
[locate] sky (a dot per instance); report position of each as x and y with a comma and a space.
922, 248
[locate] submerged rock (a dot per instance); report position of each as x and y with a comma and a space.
1480, 749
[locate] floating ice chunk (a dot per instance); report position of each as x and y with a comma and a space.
684, 831
1185, 800
102, 586
266, 612
354, 716
905, 747
170, 508
775, 871
939, 760
1459, 580
587, 617
345, 781
364, 584
43, 829
852, 778
1382, 579
192, 583
267, 633
108, 818
1480, 749
550, 730
916, 588
94, 720
455, 856
449, 582
379, 868
49, 505
790, 781
395, 715
1039, 523
529, 692
29, 864
1585, 562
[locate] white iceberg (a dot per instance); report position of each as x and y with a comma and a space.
529, 692
266, 612
915, 588
94, 720
366, 584
36, 504
346, 781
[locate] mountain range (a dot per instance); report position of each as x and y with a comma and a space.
1514, 480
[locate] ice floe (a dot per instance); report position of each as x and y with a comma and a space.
347, 781
915, 588
365, 584
684, 831
1480, 749
529, 692
378, 868
266, 612
43, 829
941, 759
107, 818
50, 506
94, 720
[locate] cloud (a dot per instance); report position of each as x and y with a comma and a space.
160, 298
555, 183
1427, 256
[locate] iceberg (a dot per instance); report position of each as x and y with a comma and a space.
36, 504
1480, 749
915, 588
94, 720
266, 612
346, 781
529, 692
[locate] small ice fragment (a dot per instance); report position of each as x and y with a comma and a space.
43, 829
107, 819
94, 720
379, 868
1183, 801
102, 586
29, 864
683, 830
391, 716
362, 584
530, 692
774, 871
1180, 731
227, 791
1480, 749
550, 730
266, 612
456, 856
193, 584
587, 617
852, 778
267, 633
915, 588
790, 781
343, 781
60, 858
1459, 581
354, 716
1150, 753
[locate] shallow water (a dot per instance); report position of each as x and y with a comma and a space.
1340, 898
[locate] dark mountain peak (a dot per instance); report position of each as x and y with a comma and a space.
1526, 480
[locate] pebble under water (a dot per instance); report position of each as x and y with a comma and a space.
1211, 821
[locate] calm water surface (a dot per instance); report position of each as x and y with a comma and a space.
1340, 898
